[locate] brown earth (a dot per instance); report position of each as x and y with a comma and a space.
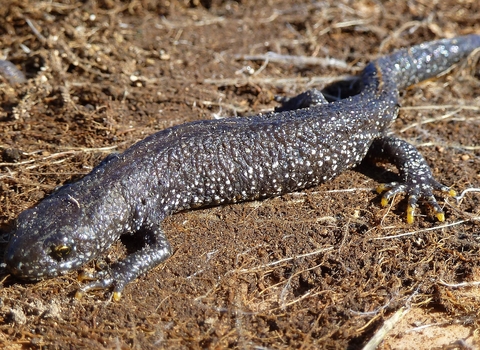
314, 269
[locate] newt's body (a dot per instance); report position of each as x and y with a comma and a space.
224, 161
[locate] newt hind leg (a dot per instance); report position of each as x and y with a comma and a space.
417, 180
306, 99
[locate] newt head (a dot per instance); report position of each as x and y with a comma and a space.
50, 240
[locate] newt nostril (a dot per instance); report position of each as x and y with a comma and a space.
13, 270
13, 264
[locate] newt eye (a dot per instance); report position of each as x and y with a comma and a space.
60, 252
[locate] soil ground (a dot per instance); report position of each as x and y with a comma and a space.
315, 269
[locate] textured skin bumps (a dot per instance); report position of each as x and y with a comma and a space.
215, 162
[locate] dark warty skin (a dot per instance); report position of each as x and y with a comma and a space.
214, 162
